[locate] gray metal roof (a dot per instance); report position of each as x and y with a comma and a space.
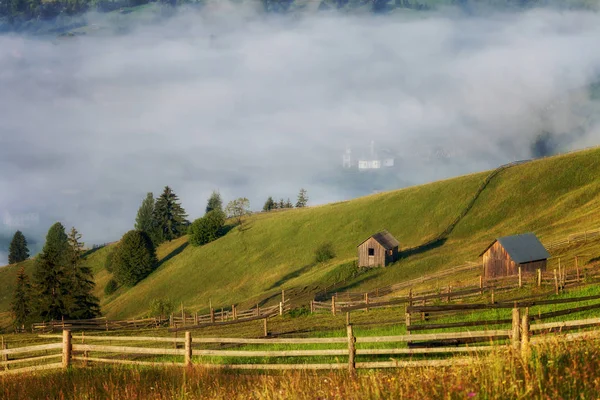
385, 239
523, 248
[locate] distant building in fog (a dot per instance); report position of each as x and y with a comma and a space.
372, 161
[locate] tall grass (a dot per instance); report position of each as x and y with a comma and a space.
555, 371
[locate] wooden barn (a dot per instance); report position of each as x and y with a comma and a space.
506, 254
378, 250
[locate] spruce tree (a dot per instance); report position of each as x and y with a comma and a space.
302, 198
134, 259
169, 215
281, 203
269, 204
51, 280
82, 303
145, 221
21, 303
18, 250
214, 202
288, 204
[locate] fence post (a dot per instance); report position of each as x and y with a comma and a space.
188, 349
333, 305
525, 334
66, 349
283, 296
492, 293
312, 306
449, 291
222, 315
351, 350
281, 308
367, 301
257, 310
196, 317
407, 316
520, 278
234, 312
212, 316
85, 353
577, 267
516, 321
170, 321
182, 314
4, 356
539, 277
266, 330
481, 284
555, 281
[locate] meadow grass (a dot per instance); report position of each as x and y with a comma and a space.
555, 371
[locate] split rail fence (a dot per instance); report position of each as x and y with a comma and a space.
341, 354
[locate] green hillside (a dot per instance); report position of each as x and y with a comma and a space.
551, 197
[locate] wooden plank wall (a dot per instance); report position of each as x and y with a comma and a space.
364, 260
497, 262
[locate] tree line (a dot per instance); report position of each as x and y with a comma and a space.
61, 286
271, 204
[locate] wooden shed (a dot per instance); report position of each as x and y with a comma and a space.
378, 250
506, 254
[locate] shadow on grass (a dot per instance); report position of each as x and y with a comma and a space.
433, 244
292, 275
172, 254
363, 278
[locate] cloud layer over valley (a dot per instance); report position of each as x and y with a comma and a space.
256, 106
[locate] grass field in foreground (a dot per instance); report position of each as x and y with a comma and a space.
555, 371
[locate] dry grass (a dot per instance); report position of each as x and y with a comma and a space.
556, 371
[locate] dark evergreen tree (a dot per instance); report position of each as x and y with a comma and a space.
269, 204
214, 202
281, 203
82, 303
169, 215
134, 259
302, 198
18, 251
208, 228
288, 204
21, 303
51, 280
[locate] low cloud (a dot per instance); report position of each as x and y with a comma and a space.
256, 106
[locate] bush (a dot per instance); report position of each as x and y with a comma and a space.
108, 263
161, 308
299, 312
324, 253
208, 228
134, 259
111, 287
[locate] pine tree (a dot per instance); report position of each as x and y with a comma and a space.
145, 219
21, 304
169, 215
214, 202
269, 204
51, 280
281, 203
302, 198
82, 303
18, 250
288, 204
134, 259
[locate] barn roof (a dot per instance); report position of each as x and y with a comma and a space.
522, 248
385, 239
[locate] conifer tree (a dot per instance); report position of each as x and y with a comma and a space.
18, 250
214, 202
51, 280
134, 258
281, 203
145, 219
288, 204
269, 204
82, 303
169, 215
302, 198
21, 303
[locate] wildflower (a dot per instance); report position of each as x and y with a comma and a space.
471, 394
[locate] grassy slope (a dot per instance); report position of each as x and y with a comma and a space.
552, 197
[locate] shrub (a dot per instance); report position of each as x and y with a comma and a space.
161, 307
208, 228
108, 263
134, 259
324, 252
111, 287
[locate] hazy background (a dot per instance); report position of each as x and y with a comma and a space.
253, 106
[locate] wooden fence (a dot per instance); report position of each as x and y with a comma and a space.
214, 317
558, 279
75, 350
